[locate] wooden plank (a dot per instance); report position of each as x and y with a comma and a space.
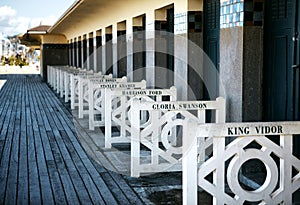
3, 179
89, 166
69, 190
115, 189
53, 103
75, 156
45, 119
7, 116
71, 149
46, 190
126, 189
14, 133
33, 153
79, 186
92, 189
46, 144
99, 182
7, 133
23, 163
39, 144
61, 168
104, 190
4, 103
43, 151
34, 185
38, 130
58, 191
6, 98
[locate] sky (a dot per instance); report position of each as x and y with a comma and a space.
17, 16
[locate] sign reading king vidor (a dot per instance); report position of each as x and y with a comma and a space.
247, 129
258, 130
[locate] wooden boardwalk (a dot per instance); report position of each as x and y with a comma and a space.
41, 159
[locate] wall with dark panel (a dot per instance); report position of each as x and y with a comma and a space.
53, 54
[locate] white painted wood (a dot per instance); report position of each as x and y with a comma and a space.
67, 86
97, 99
190, 165
236, 154
135, 142
163, 128
75, 86
83, 90
61, 83
118, 115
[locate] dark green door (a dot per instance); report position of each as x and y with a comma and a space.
281, 83
296, 65
139, 51
211, 46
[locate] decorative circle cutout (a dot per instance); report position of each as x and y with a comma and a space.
169, 128
233, 173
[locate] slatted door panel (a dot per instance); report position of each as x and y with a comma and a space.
211, 45
296, 66
279, 48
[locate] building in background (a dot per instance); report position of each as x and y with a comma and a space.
6, 47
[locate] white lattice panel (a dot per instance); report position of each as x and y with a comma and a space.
165, 126
83, 89
280, 181
97, 99
74, 84
118, 109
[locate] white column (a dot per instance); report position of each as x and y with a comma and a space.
150, 49
103, 52
88, 51
77, 52
82, 50
73, 53
129, 39
95, 50
115, 49
189, 164
181, 51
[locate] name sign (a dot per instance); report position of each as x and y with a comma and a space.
258, 130
116, 85
103, 80
141, 92
179, 106
245, 129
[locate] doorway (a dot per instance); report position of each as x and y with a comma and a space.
281, 64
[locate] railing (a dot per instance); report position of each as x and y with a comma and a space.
213, 155
224, 165
83, 89
118, 108
97, 99
166, 122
